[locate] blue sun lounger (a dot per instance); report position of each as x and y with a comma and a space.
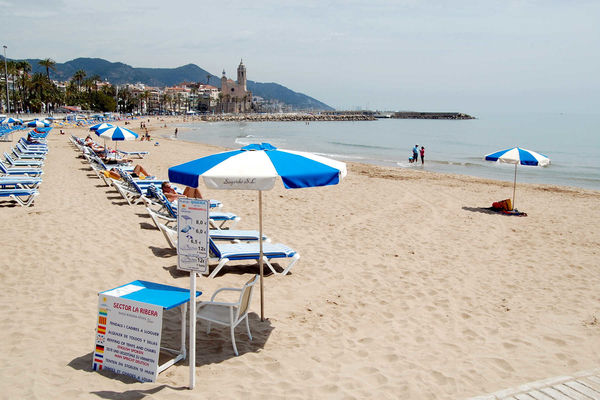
22, 196
22, 163
11, 182
19, 171
28, 156
215, 234
168, 211
225, 252
140, 154
134, 190
32, 146
28, 150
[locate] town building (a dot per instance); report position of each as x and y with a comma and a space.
235, 97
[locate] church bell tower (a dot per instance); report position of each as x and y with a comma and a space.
241, 78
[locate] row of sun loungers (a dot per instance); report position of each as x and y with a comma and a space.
226, 243
21, 172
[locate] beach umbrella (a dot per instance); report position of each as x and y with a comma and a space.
257, 167
116, 133
8, 120
100, 127
38, 124
517, 155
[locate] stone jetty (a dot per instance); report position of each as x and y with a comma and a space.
286, 117
430, 115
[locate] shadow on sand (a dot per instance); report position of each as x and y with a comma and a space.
211, 348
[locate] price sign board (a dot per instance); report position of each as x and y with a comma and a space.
192, 234
128, 335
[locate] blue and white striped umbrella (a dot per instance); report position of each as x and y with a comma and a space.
8, 120
517, 155
257, 167
117, 133
38, 124
100, 127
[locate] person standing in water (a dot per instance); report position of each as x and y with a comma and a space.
416, 153
422, 155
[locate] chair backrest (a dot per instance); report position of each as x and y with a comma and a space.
213, 248
162, 199
246, 297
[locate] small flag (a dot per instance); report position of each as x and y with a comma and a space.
103, 311
97, 367
102, 320
101, 329
99, 349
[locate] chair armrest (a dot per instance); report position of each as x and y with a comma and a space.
223, 289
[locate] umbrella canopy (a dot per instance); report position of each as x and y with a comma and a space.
517, 155
257, 167
117, 133
100, 127
8, 121
38, 124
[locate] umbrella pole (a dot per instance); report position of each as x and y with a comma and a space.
260, 260
514, 186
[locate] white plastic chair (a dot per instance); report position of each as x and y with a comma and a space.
228, 314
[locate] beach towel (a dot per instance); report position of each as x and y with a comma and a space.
508, 212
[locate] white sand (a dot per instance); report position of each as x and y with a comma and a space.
403, 290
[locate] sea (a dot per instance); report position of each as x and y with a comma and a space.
571, 141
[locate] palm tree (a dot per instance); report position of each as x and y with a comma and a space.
166, 100
88, 83
79, 76
11, 67
145, 96
24, 69
49, 64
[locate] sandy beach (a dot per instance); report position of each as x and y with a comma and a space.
406, 288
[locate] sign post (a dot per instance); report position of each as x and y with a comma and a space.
192, 256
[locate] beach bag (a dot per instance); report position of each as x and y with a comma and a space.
505, 205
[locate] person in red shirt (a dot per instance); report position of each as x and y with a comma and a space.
422, 155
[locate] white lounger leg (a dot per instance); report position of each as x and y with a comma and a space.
24, 203
218, 267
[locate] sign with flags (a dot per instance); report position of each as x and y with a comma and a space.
128, 335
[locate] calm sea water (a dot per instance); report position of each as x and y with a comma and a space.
572, 142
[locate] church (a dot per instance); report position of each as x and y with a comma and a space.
235, 96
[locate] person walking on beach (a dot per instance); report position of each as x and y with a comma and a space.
422, 155
175, 132
416, 153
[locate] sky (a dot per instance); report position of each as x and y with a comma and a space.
469, 56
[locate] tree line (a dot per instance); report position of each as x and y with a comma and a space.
38, 93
